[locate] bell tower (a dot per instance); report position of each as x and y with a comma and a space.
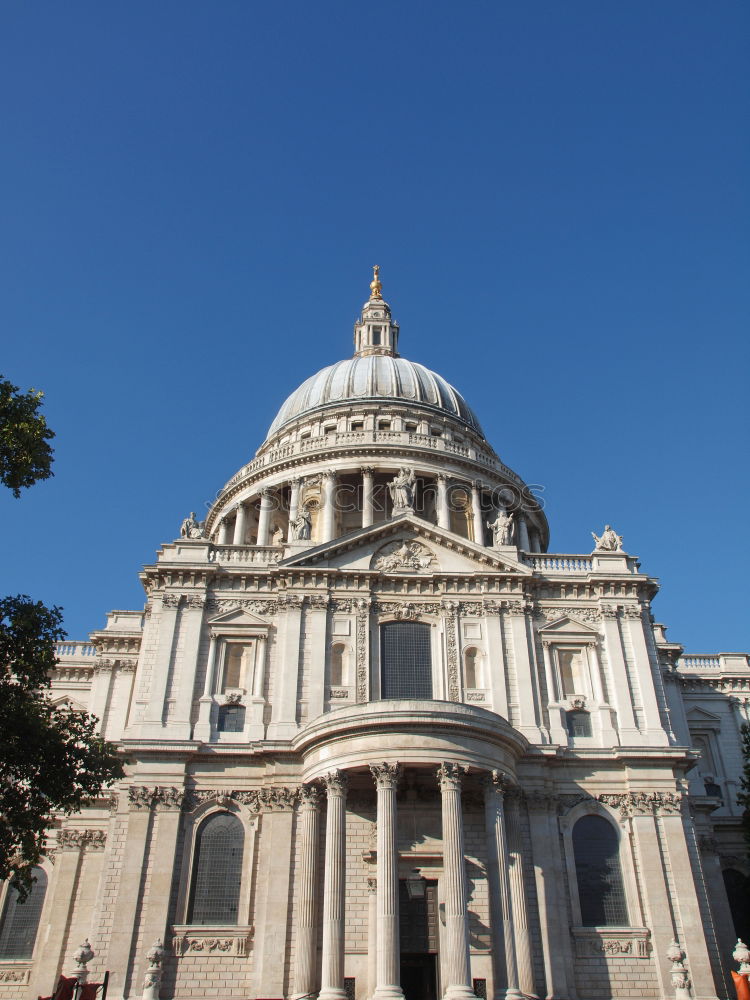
375, 331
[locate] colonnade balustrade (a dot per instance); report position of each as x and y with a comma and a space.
512, 971
268, 500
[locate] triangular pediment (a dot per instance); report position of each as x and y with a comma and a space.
406, 546
237, 618
567, 627
65, 701
701, 716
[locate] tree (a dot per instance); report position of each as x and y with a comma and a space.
25, 456
744, 796
51, 758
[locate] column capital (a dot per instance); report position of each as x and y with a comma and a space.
496, 781
336, 782
386, 775
310, 797
328, 474
450, 775
266, 493
367, 470
442, 477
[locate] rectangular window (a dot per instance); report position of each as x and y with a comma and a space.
406, 661
572, 673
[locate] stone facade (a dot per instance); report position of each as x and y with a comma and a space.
403, 815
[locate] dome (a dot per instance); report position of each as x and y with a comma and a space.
375, 378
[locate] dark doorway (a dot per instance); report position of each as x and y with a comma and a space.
418, 921
418, 977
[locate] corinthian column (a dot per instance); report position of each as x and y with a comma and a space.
443, 512
264, 517
476, 512
388, 955
304, 976
367, 488
518, 897
499, 883
456, 970
332, 976
239, 525
293, 508
328, 496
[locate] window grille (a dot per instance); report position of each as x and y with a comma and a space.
20, 921
480, 988
406, 663
217, 871
600, 889
231, 718
579, 724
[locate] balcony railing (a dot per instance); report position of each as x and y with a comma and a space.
74, 650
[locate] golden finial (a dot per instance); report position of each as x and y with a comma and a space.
375, 287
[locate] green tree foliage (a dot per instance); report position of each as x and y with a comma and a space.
25, 455
51, 758
744, 796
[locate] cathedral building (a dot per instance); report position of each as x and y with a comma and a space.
381, 742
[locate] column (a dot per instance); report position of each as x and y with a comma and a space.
306, 890
62, 890
476, 509
443, 511
332, 975
124, 924
293, 508
551, 894
620, 684
191, 623
329, 511
518, 899
273, 900
223, 532
372, 934
388, 972
239, 525
498, 863
154, 710
155, 904
367, 498
536, 545
283, 725
264, 518
456, 968
523, 533
202, 730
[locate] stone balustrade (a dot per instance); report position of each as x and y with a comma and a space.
720, 662
559, 563
74, 650
342, 439
256, 555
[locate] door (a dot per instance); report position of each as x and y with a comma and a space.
418, 940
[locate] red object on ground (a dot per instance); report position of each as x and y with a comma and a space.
64, 990
741, 985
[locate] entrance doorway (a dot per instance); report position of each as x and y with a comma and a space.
418, 939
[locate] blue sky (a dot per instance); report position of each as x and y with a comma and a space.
193, 195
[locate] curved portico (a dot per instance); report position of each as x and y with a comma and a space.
442, 747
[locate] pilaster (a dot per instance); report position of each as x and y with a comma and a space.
283, 724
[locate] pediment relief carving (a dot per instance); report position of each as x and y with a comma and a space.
240, 619
404, 556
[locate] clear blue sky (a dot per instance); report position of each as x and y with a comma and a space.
193, 195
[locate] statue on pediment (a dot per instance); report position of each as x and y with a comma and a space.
502, 528
610, 541
401, 489
191, 528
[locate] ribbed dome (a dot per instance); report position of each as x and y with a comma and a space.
373, 378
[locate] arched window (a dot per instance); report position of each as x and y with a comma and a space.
471, 668
601, 893
337, 664
405, 660
231, 719
20, 921
217, 871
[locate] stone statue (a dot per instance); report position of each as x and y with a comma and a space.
502, 528
191, 528
401, 489
302, 526
277, 536
610, 541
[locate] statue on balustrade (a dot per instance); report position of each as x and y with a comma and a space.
502, 528
302, 526
191, 528
401, 489
610, 541
277, 535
